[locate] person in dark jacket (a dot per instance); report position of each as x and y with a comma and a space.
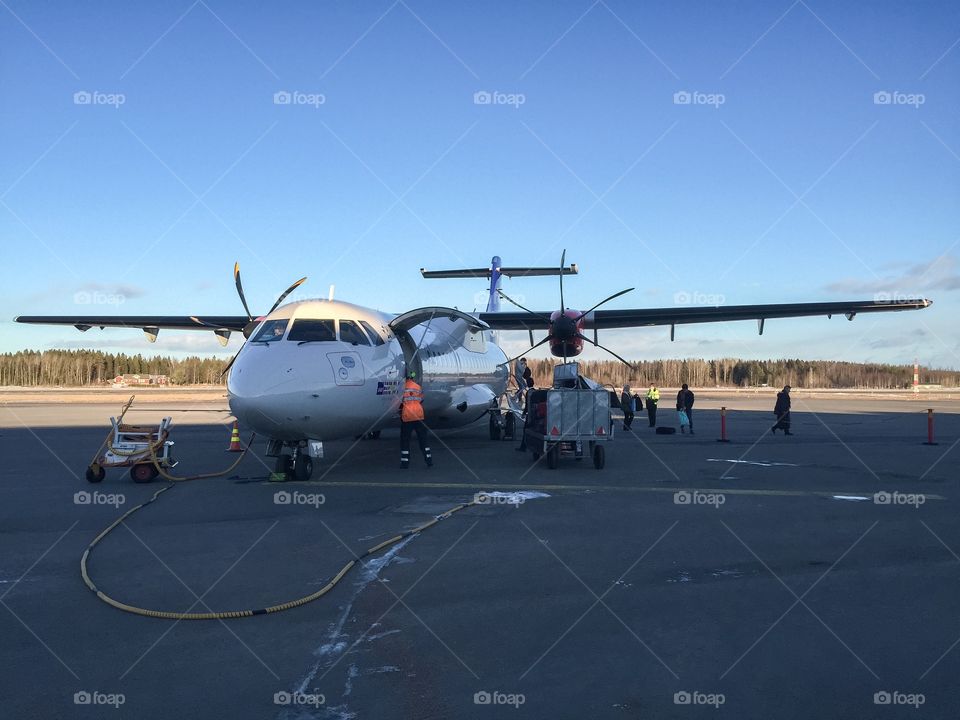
626, 404
782, 412
685, 403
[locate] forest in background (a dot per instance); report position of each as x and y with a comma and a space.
79, 368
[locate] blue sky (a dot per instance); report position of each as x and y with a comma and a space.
785, 178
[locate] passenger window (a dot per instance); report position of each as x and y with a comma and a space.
310, 330
271, 331
374, 335
350, 332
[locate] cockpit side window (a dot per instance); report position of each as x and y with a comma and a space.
271, 331
312, 330
374, 335
350, 332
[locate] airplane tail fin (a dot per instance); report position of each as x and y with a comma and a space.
495, 272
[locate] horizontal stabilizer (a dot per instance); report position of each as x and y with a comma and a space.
508, 271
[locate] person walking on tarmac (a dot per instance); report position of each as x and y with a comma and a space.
520, 371
626, 404
411, 420
653, 397
685, 403
782, 411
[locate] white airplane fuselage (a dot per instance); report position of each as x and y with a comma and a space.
349, 383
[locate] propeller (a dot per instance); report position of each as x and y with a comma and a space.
250, 326
564, 328
532, 347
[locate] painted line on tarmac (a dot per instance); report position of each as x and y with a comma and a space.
560, 488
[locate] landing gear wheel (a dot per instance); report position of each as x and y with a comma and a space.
599, 458
494, 427
303, 467
143, 472
509, 426
553, 457
284, 466
95, 473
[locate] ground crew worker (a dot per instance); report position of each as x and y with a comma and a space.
653, 397
411, 420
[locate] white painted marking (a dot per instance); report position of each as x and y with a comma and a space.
761, 463
855, 498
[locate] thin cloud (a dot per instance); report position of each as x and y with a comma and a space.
942, 273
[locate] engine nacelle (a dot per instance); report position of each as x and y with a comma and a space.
566, 333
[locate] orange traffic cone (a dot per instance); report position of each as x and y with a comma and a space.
235, 438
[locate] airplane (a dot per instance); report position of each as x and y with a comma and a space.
323, 369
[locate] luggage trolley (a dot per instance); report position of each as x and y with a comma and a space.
568, 417
130, 446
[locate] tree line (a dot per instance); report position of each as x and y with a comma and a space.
78, 368
734, 372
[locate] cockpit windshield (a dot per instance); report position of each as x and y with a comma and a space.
312, 330
270, 331
351, 333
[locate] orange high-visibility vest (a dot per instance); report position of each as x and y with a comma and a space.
411, 408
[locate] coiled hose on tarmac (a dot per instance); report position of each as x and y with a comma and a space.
229, 614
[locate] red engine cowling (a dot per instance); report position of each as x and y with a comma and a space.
566, 329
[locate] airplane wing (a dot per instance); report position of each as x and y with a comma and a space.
221, 325
647, 317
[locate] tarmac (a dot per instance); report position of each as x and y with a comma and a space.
760, 578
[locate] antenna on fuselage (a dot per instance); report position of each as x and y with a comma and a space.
330, 294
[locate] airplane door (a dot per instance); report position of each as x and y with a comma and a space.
347, 368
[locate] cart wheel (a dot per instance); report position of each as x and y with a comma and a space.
553, 456
598, 457
143, 472
510, 426
303, 468
95, 473
494, 427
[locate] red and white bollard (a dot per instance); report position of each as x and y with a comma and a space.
723, 425
930, 428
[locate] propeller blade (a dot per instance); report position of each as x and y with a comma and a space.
236, 280
286, 292
606, 349
514, 302
563, 260
603, 302
545, 340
